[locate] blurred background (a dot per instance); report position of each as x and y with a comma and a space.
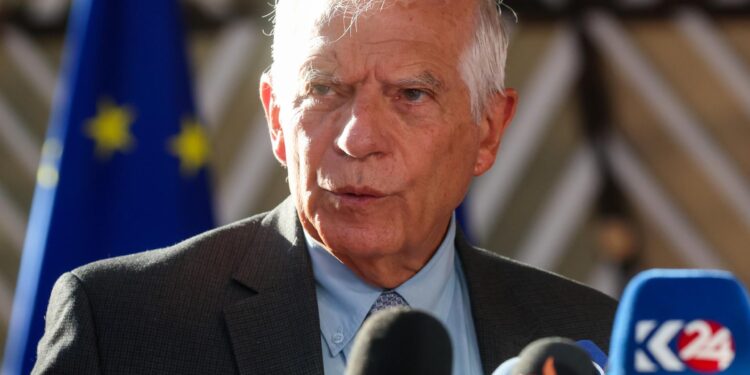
630, 149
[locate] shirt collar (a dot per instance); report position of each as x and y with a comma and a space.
344, 299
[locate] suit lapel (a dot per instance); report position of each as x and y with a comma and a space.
276, 330
502, 324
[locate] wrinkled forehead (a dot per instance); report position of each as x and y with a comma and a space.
306, 13
296, 23
299, 24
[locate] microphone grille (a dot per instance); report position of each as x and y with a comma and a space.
401, 341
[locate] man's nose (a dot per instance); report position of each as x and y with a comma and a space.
363, 135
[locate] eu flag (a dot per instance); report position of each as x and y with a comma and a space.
124, 164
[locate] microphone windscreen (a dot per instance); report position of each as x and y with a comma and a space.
401, 341
596, 355
506, 368
682, 322
568, 358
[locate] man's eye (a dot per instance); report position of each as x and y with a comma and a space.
320, 90
413, 95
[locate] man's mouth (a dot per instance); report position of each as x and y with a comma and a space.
357, 195
362, 191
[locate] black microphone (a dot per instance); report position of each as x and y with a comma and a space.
554, 356
401, 341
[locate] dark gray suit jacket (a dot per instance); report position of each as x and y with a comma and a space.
241, 299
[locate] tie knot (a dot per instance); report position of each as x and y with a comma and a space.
387, 300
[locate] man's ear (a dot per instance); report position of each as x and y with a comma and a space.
271, 107
498, 112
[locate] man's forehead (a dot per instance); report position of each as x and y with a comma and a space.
323, 11
365, 4
307, 39
316, 22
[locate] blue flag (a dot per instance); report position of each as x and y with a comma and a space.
124, 165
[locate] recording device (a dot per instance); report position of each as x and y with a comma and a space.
401, 341
550, 356
675, 322
594, 356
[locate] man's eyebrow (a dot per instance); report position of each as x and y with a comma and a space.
426, 78
312, 74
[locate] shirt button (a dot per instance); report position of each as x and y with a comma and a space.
338, 338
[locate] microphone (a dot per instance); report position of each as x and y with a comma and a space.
675, 322
549, 356
594, 356
401, 341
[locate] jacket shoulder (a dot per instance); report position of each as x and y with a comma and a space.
211, 250
551, 304
531, 279
168, 306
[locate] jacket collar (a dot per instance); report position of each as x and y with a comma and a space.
282, 311
500, 320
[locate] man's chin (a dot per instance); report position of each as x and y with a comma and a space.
360, 246
360, 249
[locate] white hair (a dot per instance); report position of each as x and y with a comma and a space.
482, 64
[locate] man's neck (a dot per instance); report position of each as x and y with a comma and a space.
388, 272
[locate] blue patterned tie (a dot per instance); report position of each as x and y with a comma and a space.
387, 300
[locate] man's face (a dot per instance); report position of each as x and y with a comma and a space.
376, 130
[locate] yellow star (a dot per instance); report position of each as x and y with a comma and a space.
191, 147
110, 129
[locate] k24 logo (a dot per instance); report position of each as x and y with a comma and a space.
703, 346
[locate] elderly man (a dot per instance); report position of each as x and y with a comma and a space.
381, 112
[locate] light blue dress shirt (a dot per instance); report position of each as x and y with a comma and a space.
439, 288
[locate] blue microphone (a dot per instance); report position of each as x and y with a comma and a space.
596, 354
679, 322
